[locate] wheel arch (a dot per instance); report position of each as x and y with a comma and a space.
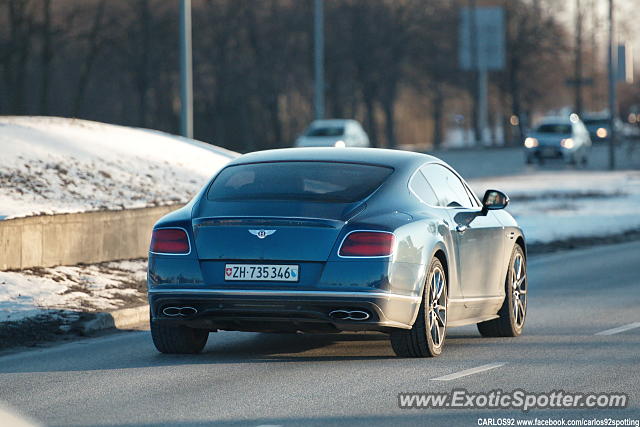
520, 242
439, 251
442, 257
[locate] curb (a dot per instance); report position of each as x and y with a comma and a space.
119, 319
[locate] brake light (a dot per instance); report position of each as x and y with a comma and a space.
170, 241
367, 244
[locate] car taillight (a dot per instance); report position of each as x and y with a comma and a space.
170, 241
367, 243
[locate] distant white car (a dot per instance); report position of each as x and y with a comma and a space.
333, 133
565, 138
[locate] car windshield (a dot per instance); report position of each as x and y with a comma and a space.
596, 122
312, 181
326, 131
554, 128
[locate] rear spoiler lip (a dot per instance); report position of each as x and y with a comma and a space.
282, 221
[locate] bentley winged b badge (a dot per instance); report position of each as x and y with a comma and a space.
261, 234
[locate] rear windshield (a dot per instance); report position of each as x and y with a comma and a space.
312, 181
326, 131
554, 128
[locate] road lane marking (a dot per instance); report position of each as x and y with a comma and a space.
471, 371
619, 329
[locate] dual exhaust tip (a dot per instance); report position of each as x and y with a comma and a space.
179, 311
357, 315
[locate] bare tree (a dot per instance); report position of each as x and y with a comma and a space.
94, 44
16, 51
46, 57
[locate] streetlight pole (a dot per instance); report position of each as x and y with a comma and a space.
318, 24
612, 90
578, 61
186, 76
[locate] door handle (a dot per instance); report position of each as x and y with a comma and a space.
461, 228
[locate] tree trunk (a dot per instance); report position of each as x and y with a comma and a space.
276, 123
47, 56
17, 58
93, 49
388, 106
370, 119
438, 110
142, 76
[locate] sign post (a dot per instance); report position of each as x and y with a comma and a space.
482, 49
319, 59
186, 82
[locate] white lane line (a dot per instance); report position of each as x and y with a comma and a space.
619, 329
467, 372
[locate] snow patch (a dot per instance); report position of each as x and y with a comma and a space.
56, 165
84, 288
551, 206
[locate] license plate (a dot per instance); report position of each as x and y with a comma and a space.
261, 272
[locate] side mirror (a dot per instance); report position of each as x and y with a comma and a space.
494, 200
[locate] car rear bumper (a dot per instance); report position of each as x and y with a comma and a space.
282, 310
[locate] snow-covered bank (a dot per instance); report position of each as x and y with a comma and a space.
84, 288
553, 206
57, 165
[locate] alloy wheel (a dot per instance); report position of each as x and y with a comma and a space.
519, 290
437, 306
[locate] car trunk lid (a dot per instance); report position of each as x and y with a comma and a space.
278, 231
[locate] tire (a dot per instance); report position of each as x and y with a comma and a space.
512, 319
426, 339
178, 339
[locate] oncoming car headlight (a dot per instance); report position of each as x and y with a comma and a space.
567, 143
601, 133
531, 142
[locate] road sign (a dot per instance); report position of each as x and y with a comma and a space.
487, 30
625, 63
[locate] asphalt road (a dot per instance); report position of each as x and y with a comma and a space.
252, 379
476, 163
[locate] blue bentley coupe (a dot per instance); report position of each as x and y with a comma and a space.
337, 239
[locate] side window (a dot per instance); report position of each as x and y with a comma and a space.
423, 190
448, 187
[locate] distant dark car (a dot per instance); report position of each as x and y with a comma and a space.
564, 138
598, 127
329, 240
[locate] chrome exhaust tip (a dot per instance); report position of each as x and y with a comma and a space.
349, 315
188, 311
171, 311
339, 314
359, 315
179, 311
